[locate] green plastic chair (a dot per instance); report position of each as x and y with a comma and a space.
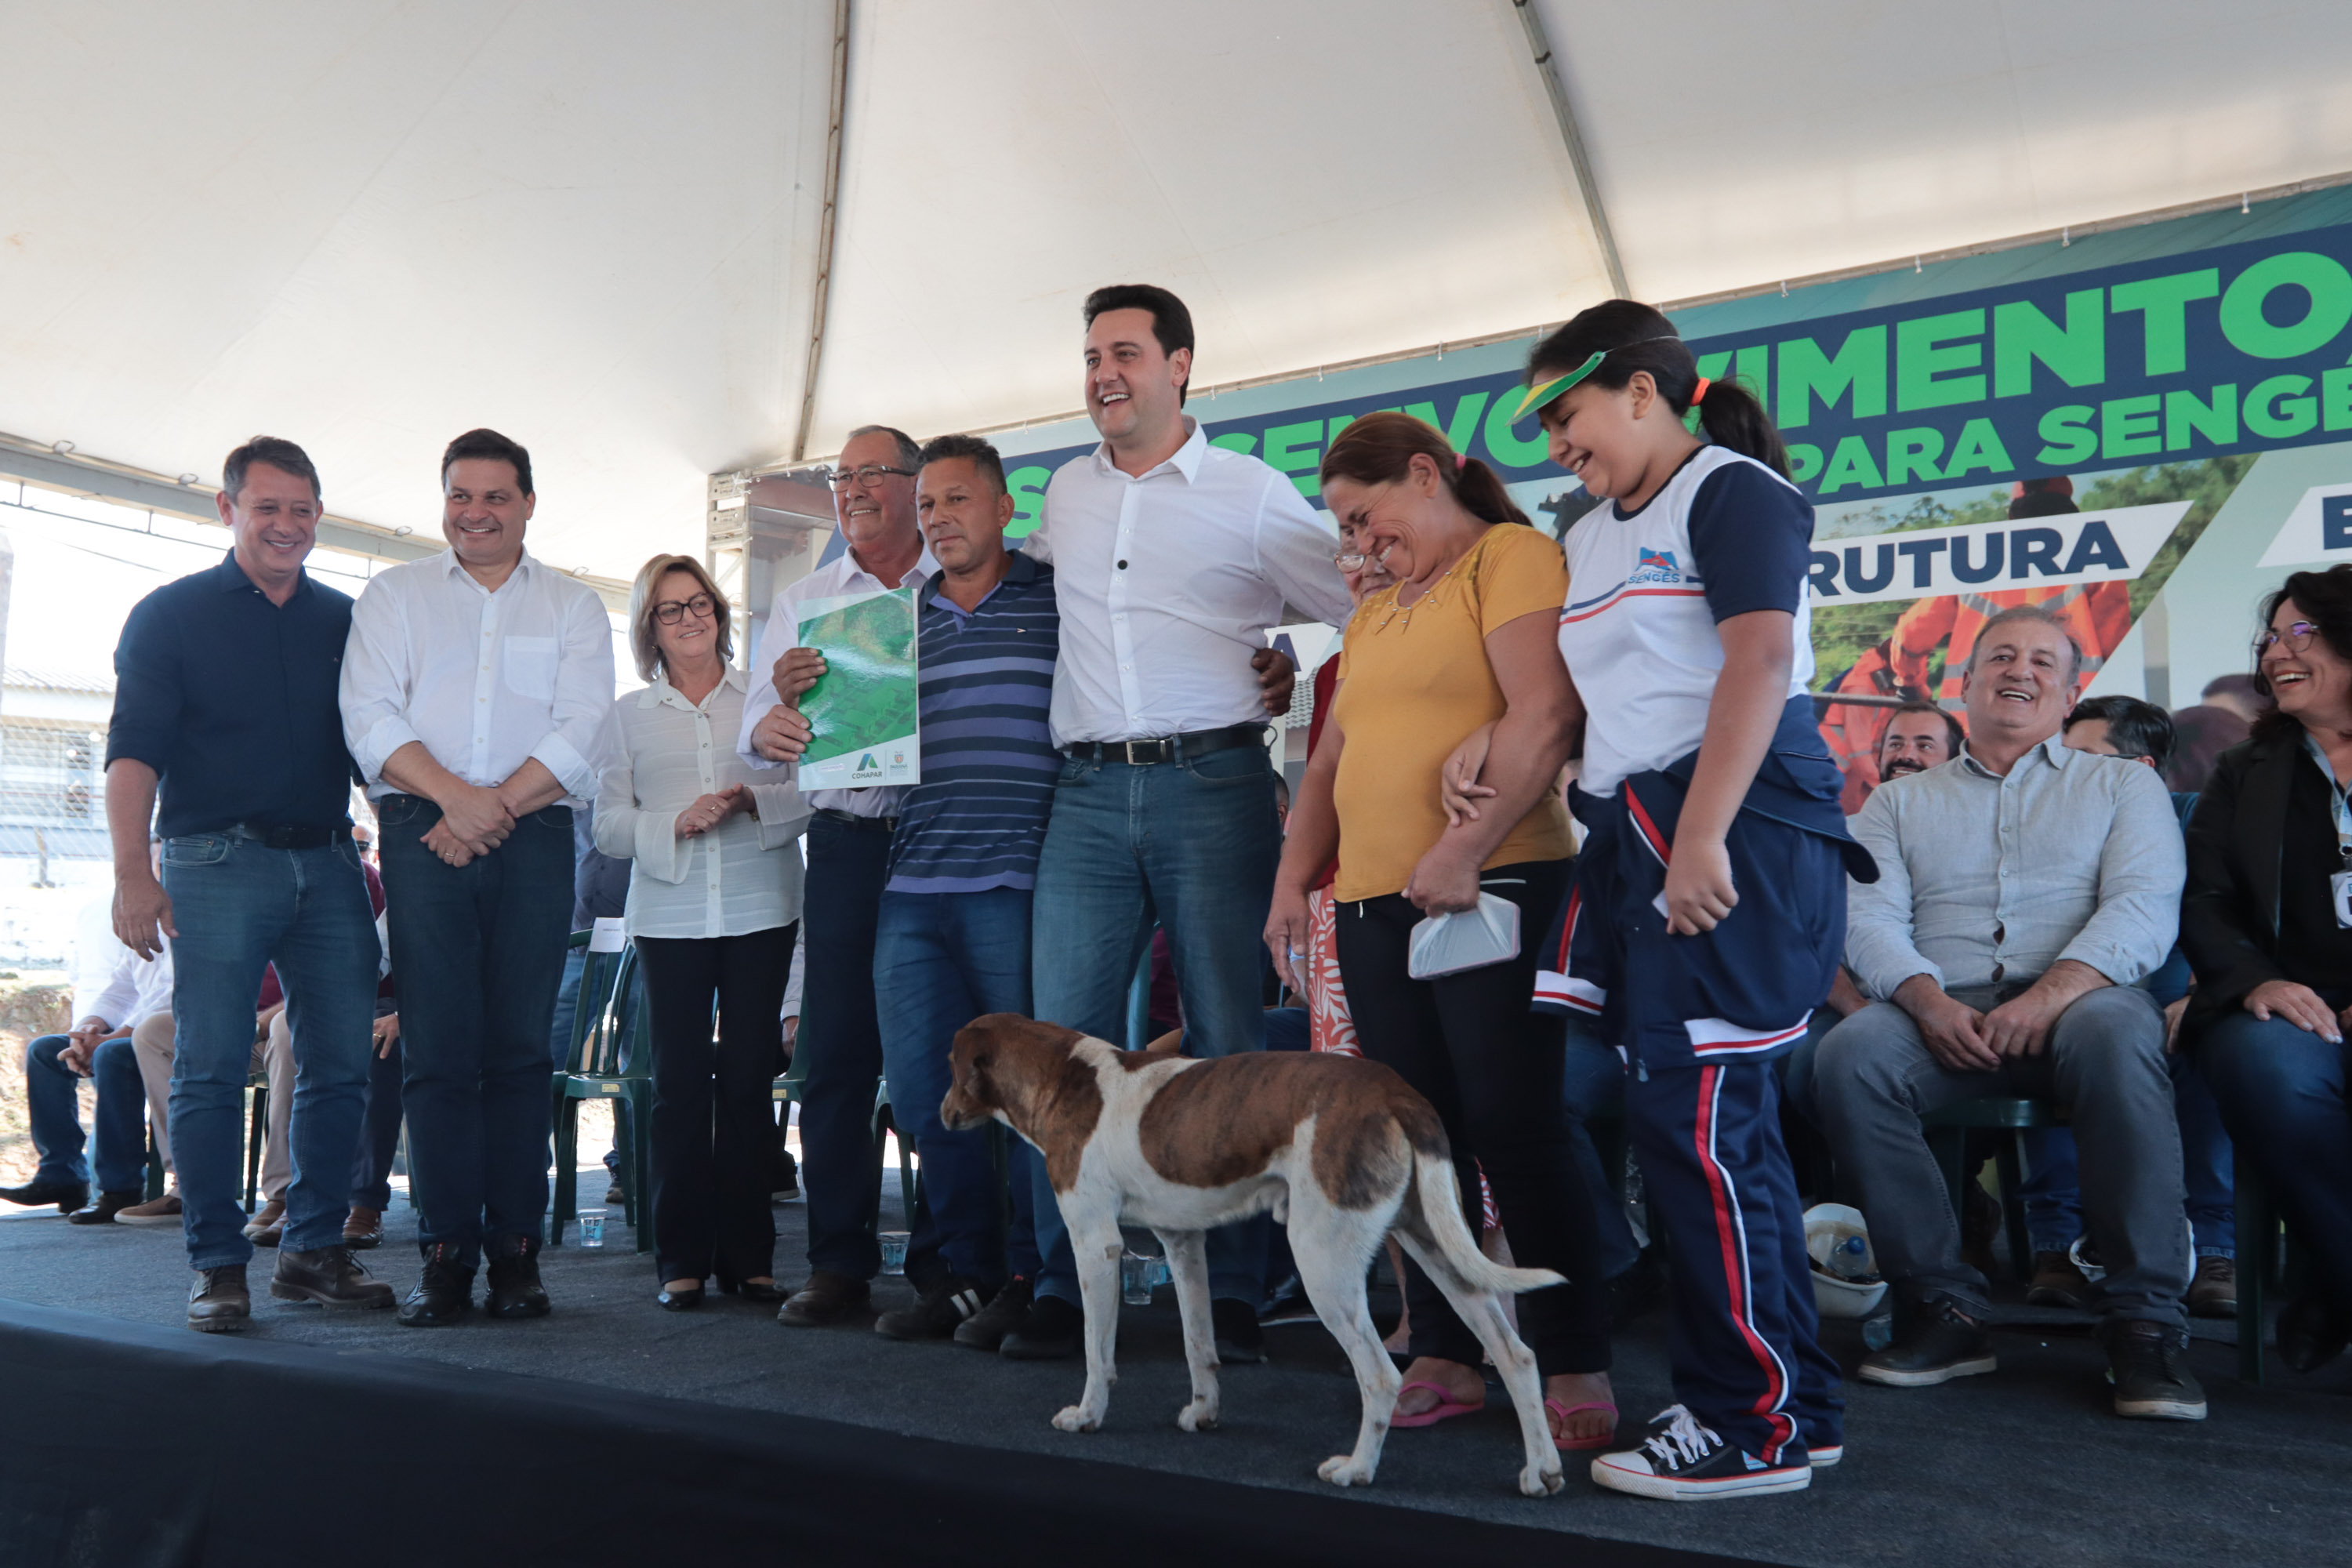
611, 1017
1947, 1135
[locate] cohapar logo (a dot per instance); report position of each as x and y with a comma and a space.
2034, 553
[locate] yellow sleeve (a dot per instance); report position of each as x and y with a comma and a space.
1522, 571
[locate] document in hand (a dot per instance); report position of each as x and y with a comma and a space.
862, 710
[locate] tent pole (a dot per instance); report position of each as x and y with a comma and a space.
1539, 46
821, 295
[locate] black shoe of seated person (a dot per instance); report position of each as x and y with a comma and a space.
68, 1195
1050, 1331
986, 1330
1240, 1341
515, 1290
2313, 1332
948, 1303
1935, 1342
444, 1294
2148, 1364
103, 1209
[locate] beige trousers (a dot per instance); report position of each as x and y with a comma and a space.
273, 1054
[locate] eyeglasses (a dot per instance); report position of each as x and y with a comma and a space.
669, 612
1350, 560
2297, 637
872, 474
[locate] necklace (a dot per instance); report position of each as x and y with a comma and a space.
1402, 612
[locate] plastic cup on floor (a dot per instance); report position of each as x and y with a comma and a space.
894, 1251
592, 1227
1136, 1274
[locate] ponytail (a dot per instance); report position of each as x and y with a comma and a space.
1378, 449
1636, 337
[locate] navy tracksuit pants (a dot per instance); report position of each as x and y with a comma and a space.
1699, 1019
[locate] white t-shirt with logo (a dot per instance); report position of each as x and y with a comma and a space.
1726, 536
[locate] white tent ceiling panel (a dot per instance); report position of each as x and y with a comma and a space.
581, 224
1320, 180
1735, 144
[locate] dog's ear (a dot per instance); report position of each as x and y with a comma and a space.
973, 1053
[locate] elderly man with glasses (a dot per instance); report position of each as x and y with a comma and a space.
848, 861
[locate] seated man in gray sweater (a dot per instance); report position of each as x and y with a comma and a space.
2023, 890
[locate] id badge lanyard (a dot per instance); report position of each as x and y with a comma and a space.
2340, 884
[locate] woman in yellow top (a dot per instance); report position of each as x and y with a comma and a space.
1467, 636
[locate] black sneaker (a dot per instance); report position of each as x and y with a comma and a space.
986, 1330
1049, 1333
1937, 1344
1682, 1461
2148, 1364
936, 1313
1239, 1342
1288, 1305
2311, 1332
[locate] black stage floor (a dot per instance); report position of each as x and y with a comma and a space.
821, 1443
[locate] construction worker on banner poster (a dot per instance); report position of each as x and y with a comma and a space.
1709, 910
2096, 614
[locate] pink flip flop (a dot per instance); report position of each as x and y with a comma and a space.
1443, 1410
1581, 1445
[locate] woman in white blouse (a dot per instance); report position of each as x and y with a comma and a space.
714, 905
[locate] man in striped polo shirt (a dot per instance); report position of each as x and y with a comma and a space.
953, 939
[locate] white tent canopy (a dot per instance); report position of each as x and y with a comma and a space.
368, 224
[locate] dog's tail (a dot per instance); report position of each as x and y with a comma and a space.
1431, 1215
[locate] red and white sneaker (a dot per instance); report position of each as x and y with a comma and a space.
1682, 1462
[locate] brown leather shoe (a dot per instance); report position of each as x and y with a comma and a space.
827, 1298
267, 1228
218, 1303
2057, 1283
164, 1210
363, 1228
2214, 1292
331, 1276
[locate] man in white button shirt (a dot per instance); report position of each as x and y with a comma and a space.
472, 693
1173, 558
848, 861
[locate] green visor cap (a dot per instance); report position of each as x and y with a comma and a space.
1543, 392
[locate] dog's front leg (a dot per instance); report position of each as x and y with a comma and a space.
1188, 1270
1097, 1247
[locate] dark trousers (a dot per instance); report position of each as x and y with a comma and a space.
1742, 1325
479, 949
2283, 1094
842, 1037
118, 1147
713, 1131
1493, 1069
379, 1130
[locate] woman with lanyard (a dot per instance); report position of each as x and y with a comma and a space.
2266, 923
1710, 906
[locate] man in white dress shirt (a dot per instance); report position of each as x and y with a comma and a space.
473, 690
1172, 559
848, 861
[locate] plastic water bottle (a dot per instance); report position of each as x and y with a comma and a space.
1850, 1259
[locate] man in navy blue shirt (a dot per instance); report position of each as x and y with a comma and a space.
952, 936
226, 697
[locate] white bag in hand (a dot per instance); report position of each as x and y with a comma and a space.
1467, 939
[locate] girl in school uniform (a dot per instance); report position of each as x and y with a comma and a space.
1708, 909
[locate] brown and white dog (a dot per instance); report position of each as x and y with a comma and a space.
1341, 1150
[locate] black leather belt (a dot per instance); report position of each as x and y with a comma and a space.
851, 819
279, 837
1168, 748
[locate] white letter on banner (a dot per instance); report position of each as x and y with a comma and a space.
2122, 544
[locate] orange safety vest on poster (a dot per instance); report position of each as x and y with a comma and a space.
2096, 614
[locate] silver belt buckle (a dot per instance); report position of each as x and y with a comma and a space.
1129, 747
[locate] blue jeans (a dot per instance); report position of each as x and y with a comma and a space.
479, 950
379, 1133
2282, 1093
1191, 845
567, 1008
1594, 1079
240, 907
941, 960
117, 1143
2052, 1189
